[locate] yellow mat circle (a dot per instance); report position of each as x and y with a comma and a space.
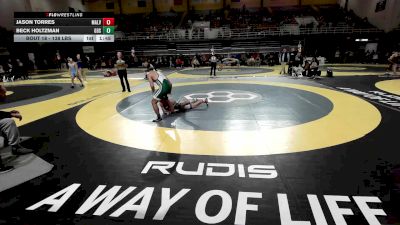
351, 118
391, 86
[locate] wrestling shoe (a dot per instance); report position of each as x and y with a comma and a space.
19, 150
206, 101
5, 169
157, 120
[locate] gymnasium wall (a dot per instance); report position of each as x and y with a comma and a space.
283, 3
318, 2
146, 6
239, 4
167, 5
387, 19
280, 3
51, 5
207, 4
8, 7
100, 5
132, 7
7, 10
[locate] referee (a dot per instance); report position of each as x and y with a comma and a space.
122, 73
213, 61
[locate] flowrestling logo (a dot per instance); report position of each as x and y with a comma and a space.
64, 15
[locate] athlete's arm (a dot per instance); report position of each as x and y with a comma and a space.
151, 82
390, 59
163, 108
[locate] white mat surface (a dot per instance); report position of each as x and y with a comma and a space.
26, 167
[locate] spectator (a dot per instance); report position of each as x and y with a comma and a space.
171, 64
298, 60
179, 63
88, 62
314, 67
2, 73
337, 56
271, 59
251, 61
351, 56
195, 63
367, 57
22, 71
292, 56
10, 130
375, 57
283, 60
394, 62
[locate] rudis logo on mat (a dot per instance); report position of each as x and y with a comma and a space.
213, 169
117, 201
378, 96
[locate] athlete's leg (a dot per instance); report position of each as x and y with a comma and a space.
125, 75
72, 81
121, 79
199, 102
79, 72
80, 79
156, 110
171, 107
394, 68
83, 74
215, 68
184, 101
193, 104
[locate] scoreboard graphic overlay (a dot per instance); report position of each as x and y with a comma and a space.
63, 27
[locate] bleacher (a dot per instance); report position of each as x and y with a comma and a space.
190, 48
265, 45
152, 49
199, 47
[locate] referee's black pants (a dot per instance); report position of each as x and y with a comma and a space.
213, 68
123, 75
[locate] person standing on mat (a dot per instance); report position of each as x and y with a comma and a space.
73, 71
79, 63
10, 132
122, 73
394, 62
164, 89
283, 60
213, 61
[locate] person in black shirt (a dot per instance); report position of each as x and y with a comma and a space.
292, 56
